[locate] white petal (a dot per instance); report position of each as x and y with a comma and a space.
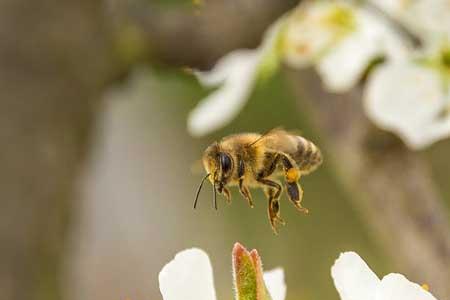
274, 280
397, 287
238, 70
422, 17
429, 17
406, 99
430, 133
391, 7
353, 279
308, 34
343, 66
188, 277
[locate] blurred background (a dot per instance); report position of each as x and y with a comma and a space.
97, 178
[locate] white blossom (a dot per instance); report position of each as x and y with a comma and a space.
189, 276
340, 40
235, 75
428, 19
354, 280
274, 281
412, 98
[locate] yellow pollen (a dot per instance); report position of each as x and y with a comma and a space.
292, 175
426, 287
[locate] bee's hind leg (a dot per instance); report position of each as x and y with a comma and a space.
273, 191
293, 189
295, 194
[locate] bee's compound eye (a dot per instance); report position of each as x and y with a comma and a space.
225, 162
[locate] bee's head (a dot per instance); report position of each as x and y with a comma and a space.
219, 164
219, 167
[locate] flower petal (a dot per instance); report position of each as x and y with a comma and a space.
313, 28
238, 70
343, 66
434, 132
188, 276
423, 17
397, 287
407, 99
353, 279
274, 280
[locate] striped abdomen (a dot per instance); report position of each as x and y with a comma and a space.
307, 155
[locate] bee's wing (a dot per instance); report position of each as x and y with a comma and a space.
282, 142
267, 134
276, 140
296, 132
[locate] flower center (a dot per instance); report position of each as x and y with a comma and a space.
444, 58
341, 19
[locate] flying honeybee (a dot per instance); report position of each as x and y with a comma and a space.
254, 160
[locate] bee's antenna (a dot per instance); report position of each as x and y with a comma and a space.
265, 134
199, 189
215, 195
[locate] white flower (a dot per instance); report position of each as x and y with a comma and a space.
274, 281
354, 280
236, 74
340, 39
429, 19
412, 98
189, 276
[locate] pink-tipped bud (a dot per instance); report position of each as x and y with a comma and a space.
248, 275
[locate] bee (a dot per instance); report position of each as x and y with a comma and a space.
251, 160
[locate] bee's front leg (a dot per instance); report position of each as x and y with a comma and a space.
273, 191
293, 189
245, 192
242, 188
227, 194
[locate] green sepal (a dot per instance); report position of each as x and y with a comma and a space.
248, 275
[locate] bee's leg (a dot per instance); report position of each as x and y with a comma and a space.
293, 189
245, 192
295, 194
273, 209
227, 194
242, 188
273, 191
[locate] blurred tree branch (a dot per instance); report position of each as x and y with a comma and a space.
197, 37
390, 185
55, 57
